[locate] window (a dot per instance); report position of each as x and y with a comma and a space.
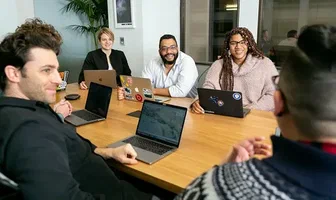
203, 25
279, 17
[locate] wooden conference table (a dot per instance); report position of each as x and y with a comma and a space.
206, 140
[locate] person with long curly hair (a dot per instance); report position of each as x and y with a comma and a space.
242, 67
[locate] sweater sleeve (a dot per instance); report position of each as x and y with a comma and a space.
37, 160
266, 101
212, 78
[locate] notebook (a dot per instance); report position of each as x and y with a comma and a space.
139, 89
96, 107
158, 133
229, 103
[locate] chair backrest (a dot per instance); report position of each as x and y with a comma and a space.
281, 53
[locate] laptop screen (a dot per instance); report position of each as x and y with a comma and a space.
162, 122
98, 99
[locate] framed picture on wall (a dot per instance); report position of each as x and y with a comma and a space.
124, 13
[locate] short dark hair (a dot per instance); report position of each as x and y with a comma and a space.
15, 47
292, 33
308, 81
166, 37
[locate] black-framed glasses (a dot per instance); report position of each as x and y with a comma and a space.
164, 48
275, 80
235, 43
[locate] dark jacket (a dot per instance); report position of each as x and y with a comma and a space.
49, 160
97, 60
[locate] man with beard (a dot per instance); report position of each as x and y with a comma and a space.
172, 74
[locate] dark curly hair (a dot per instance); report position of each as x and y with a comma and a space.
15, 47
226, 80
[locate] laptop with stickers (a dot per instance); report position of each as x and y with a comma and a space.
139, 89
229, 103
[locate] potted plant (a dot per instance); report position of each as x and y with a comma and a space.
95, 11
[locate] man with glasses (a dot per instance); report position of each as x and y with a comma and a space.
304, 157
173, 73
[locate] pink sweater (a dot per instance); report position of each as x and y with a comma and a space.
253, 79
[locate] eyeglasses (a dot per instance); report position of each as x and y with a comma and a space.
275, 80
164, 48
235, 43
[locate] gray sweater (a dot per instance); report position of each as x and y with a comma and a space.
253, 79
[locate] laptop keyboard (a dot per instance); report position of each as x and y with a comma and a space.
148, 145
86, 115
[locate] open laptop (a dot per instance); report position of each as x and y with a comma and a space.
159, 131
103, 77
229, 103
96, 107
139, 89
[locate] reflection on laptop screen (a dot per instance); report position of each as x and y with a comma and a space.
161, 122
98, 99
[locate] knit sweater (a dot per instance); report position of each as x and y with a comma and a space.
295, 171
253, 79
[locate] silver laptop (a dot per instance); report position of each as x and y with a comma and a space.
158, 133
96, 107
103, 77
139, 89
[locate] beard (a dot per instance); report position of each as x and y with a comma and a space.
34, 90
165, 61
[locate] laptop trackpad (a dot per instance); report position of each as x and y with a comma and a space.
143, 155
146, 156
75, 120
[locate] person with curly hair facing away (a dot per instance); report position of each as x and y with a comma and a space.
242, 67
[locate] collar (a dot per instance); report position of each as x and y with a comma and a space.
305, 165
325, 146
27, 104
22, 103
249, 64
101, 52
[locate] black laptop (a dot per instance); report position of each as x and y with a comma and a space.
96, 107
229, 103
158, 133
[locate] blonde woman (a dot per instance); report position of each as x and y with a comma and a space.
105, 58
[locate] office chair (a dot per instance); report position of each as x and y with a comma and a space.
280, 54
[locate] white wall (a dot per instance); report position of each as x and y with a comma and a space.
152, 20
13, 13
248, 15
159, 17
75, 46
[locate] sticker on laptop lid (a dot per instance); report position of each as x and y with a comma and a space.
128, 91
129, 81
122, 80
236, 96
147, 93
129, 97
220, 103
213, 99
138, 97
